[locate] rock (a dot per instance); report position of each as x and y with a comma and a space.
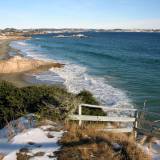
25, 150
39, 154
31, 143
50, 136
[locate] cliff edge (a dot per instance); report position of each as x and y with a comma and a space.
19, 64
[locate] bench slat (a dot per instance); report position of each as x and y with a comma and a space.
108, 108
117, 130
101, 118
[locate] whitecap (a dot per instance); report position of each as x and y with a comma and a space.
76, 79
72, 36
29, 50
22, 43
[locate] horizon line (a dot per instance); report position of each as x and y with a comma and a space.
83, 28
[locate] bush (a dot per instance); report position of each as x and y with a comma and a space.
47, 101
14, 102
87, 97
53, 97
11, 103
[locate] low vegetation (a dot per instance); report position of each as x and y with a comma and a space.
86, 142
50, 102
89, 142
86, 97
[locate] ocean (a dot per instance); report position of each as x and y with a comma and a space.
120, 69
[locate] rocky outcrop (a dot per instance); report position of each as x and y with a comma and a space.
19, 64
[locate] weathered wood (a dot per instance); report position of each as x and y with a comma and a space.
117, 119
80, 113
101, 118
108, 108
136, 123
118, 130
153, 129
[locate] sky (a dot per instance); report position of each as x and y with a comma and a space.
99, 14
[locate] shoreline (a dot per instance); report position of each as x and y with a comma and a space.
20, 78
16, 79
88, 82
4, 49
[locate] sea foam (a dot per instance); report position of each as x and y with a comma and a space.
77, 79
71, 36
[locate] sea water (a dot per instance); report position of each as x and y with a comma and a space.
120, 69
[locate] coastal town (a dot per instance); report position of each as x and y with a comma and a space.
28, 32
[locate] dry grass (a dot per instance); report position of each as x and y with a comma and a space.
24, 154
1, 156
87, 143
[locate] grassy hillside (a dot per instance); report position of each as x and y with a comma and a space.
90, 142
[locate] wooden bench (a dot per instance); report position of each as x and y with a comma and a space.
117, 119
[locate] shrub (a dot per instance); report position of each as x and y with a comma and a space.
11, 103
87, 97
46, 101
51, 101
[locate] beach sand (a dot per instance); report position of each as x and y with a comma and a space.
18, 79
4, 48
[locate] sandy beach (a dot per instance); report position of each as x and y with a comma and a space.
17, 79
4, 48
15, 69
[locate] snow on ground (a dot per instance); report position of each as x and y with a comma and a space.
156, 150
153, 150
38, 143
16, 126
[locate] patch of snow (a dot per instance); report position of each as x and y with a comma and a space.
156, 150
17, 126
35, 140
153, 151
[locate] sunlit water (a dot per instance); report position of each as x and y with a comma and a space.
120, 69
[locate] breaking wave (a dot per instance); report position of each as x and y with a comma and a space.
72, 36
76, 78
